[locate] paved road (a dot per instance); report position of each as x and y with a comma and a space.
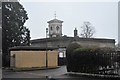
35, 73
54, 74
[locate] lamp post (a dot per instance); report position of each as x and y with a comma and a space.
46, 49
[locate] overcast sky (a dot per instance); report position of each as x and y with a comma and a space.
102, 15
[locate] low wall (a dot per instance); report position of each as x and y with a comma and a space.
52, 59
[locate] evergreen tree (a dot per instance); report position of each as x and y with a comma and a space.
14, 33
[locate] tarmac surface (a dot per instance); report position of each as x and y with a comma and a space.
48, 74
35, 73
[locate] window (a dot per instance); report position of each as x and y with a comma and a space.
62, 55
51, 28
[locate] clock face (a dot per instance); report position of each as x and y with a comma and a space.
57, 28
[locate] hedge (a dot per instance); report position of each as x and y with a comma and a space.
87, 59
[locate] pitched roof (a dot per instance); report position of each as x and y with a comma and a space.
63, 38
55, 21
31, 48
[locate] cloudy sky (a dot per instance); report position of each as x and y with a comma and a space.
102, 15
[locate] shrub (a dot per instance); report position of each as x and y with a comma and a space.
88, 59
71, 47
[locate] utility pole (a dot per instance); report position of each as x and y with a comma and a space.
46, 49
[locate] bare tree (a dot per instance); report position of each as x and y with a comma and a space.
87, 30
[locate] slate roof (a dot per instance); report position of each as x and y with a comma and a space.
72, 38
55, 21
17, 48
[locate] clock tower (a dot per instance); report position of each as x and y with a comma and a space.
55, 27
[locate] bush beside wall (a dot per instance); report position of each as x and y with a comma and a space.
87, 60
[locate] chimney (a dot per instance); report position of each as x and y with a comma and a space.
75, 33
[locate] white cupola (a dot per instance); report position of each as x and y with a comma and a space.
55, 27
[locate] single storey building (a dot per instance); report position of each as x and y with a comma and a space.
33, 57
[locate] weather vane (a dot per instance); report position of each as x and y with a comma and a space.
55, 14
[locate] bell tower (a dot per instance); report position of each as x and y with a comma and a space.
55, 27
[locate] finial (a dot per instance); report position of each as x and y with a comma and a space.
75, 28
55, 14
